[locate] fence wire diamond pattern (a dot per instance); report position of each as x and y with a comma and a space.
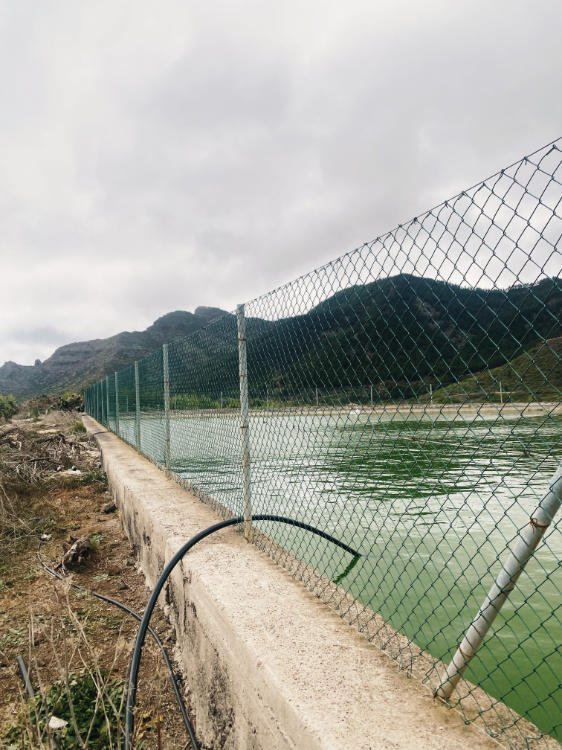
406, 398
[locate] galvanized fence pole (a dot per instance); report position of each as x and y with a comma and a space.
526, 543
244, 421
107, 400
117, 403
137, 408
166, 377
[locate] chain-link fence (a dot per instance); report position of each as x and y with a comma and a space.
406, 398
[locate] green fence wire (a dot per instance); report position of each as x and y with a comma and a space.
406, 398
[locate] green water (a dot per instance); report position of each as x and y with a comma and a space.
432, 505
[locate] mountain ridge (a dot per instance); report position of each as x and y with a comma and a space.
74, 365
398, 333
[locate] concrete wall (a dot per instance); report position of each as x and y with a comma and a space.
267, 665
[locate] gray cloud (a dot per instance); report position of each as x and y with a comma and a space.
204, 153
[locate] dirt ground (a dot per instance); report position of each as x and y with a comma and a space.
52, 493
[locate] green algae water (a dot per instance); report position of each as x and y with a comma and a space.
433, 504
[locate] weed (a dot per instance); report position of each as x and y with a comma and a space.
95, 477
77, 428
92, 708
12, 637
96, 539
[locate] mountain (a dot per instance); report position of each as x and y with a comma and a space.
398, 335
402, 333
75, 365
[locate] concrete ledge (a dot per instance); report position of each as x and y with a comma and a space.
267, 664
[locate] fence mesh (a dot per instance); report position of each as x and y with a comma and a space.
406, 398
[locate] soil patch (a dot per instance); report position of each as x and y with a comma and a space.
53, 494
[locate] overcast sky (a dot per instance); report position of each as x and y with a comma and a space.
163, 155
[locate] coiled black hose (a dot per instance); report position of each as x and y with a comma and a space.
184, 549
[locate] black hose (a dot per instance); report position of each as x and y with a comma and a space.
25, 677
137, 651
173, 680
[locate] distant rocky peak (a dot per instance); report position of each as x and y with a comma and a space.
209, 313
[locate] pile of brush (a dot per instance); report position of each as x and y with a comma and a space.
34, 459
30, 457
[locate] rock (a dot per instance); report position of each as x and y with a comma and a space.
56, 723
80, 550
70, 472
109, 507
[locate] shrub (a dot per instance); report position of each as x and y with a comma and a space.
71, 401
8, 407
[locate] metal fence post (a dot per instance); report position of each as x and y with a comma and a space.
137, 408
107, 399
166, 377
525, 545
244, 421
117, 403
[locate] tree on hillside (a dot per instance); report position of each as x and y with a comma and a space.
8, 407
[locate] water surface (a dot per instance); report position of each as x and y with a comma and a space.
432, 503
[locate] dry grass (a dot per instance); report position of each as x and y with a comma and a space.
76, 647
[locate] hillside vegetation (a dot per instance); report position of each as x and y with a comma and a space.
535, 375
405, 332
398, 335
